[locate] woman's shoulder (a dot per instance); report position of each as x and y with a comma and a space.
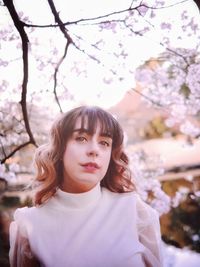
128, 198
23, 213
144, 208
134, 201
146, 214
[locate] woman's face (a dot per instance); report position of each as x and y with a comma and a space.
86, 159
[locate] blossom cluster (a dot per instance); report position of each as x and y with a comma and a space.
173, 84
146, 170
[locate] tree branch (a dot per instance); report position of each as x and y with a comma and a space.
59, 21
14, 151
157, 104
98, 17
24, 38
55, 76
69, 41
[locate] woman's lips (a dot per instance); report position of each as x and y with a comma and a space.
90, 166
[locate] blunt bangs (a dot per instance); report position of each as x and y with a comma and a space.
91, 117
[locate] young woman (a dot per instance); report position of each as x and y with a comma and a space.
87, 212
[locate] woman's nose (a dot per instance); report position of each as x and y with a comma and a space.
93, 149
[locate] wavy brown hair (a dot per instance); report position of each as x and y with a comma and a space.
48, 158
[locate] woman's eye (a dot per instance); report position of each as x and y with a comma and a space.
81, 139
105, 143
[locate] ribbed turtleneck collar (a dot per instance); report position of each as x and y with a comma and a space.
79, 200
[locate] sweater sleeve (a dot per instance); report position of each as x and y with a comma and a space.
20, 254
149, 234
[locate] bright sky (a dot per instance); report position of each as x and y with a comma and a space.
90, 89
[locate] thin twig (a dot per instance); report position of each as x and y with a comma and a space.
69, 41
55, 76
75, 22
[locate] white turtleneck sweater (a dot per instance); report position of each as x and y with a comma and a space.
97, 228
